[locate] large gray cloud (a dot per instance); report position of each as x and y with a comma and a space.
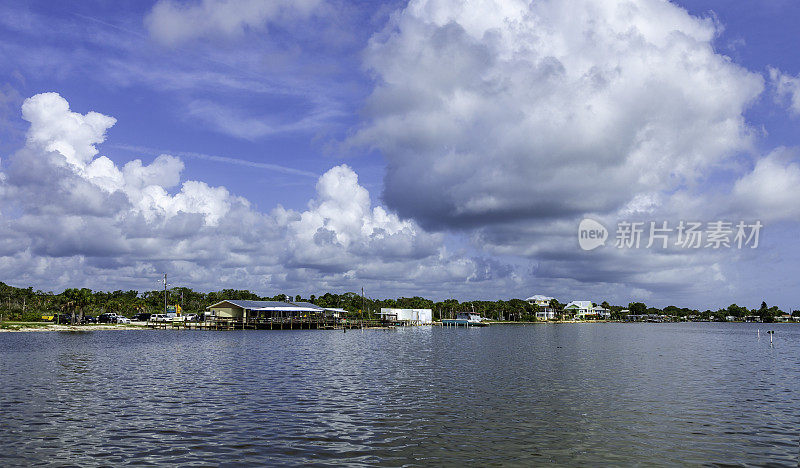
498, 111
513, 120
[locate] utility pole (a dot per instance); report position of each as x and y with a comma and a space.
165, 294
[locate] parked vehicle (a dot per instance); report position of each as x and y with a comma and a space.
142, 317
109, 317
159, 318
123, 320
66, 319
191, 318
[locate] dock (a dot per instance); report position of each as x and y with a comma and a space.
272, 324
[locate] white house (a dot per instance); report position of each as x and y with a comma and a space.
545, 312
602, 313
539, 300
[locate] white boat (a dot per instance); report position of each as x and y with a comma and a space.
466, 319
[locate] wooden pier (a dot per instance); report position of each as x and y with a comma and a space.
273, 324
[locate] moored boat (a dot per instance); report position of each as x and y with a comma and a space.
465, 319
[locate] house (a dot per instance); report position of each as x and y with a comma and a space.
601, 313
545, 312
539, 300
580, 309
408, 316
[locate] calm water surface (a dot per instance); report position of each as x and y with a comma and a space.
568, 394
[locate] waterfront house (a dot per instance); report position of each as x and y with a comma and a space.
539, 300
544, 312
601, 313
580, 309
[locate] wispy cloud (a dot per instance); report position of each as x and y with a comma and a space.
220, 159
231, 121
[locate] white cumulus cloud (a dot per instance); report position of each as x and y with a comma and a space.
55, 129
490, 112
341, 225
769, 192
72, 217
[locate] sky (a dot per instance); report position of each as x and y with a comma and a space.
432, 147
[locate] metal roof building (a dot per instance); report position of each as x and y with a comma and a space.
241, 309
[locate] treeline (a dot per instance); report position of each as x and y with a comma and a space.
29, 305
765, 313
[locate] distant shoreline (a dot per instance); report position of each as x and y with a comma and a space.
50, 327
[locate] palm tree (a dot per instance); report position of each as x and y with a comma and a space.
68, 307
77, 300
85, 299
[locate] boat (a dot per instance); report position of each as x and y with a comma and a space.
466, 319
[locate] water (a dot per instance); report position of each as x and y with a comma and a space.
568, 394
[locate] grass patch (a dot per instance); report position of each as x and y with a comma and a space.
21, 325
18, 325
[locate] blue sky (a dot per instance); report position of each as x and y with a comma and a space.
424, 148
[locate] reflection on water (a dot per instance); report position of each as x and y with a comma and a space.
562, 394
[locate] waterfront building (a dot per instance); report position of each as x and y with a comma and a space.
408, 316
539, 300
580, 309
545, 312
246, 311
601, 313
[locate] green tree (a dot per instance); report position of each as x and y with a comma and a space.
637, 308
766, 315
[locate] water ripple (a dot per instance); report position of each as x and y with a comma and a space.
572, 394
